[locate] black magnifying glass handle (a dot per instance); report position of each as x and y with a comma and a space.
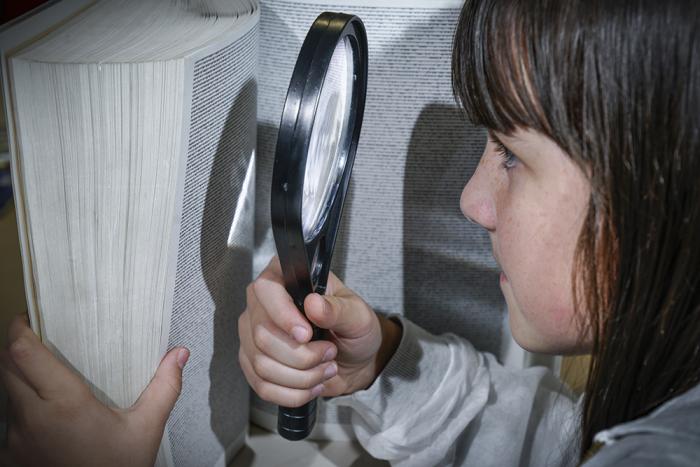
296, 423
316, 145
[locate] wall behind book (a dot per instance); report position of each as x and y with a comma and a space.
12, 9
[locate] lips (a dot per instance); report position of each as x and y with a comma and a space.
503, 277
498, 263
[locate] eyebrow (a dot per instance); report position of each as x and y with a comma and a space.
496, 139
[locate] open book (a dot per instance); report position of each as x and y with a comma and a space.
142, 137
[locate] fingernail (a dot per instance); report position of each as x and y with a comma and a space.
299, 333
330, 371
182, 356
317, 390
329, 355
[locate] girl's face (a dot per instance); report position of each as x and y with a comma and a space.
532, 201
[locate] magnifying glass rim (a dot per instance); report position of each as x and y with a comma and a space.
293, 140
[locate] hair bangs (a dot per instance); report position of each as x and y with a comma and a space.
492, 66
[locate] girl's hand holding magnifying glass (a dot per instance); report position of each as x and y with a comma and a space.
284, 367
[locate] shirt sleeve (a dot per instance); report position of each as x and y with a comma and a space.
439, 401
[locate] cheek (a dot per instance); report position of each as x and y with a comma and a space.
538, 269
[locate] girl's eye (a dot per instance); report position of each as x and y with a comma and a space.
509, 159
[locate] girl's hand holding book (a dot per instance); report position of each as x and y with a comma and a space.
57, 421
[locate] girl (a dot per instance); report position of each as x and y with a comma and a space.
587, 188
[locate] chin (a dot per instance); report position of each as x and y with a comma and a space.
536, 342
536, 345
548, 346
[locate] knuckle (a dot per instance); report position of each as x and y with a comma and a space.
249, 292
308, 360
258, 365
260, 336
311, 379
366, 319
21, 348
255, 384
300, 398
263, 390
258, 286
242, 321
26, 330
247, 373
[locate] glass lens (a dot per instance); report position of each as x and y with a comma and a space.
327, 154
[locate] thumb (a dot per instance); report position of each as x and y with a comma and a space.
158, 399
347, 317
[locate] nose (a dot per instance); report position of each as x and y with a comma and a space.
477, 202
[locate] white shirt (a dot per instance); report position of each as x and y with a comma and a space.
439, 401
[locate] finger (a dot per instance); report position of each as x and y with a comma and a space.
49, 377
347, 316
19, 326
274, 372
19, 391
158, 399
274, 343
268, 299
271, 392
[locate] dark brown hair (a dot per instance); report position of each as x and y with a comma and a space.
616, 85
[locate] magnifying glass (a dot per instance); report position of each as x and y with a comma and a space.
316, 146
